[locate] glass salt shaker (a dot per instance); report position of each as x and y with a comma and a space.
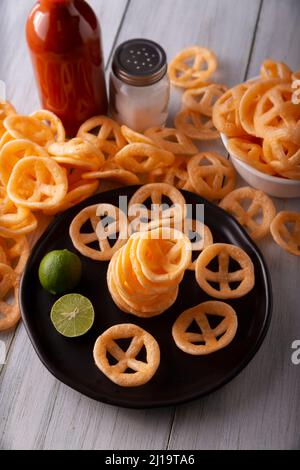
139, 85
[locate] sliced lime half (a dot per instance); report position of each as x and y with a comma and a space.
72, 315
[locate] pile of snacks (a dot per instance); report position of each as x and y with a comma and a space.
144, 274
41, 172
262, 122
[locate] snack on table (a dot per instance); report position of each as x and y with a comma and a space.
78, 152
224, 276
204, 64
211, 175
6, 109
100, 234
142, 158
37, 183
10, 312
109, 137
287, 236
195, 125
213, 339
257, 217
36, 127
172, 140
13, 151
14, 220
175, 175
16, 252
117, 373
134, 137
202, 100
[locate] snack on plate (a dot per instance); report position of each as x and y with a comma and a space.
37, 183
100, 234
205, 238
209, 339
192, 67
172, 140
202, 100
109, 137
141, 370
142, 158
285, 230
9, 312
195, 125
211, 175
224, 276
257, 217
143, 277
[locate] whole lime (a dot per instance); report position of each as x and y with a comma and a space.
60, 271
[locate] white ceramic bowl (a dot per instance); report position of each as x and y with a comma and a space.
272, 185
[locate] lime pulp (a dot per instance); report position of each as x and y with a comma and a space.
72, 315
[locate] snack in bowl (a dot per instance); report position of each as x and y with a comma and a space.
142, 371
223, 277
285, 230
209, 339
257, 217
266, 135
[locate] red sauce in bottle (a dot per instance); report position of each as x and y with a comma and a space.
64, 39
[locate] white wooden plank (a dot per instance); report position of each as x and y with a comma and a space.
260, 408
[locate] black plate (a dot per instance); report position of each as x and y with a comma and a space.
180, 376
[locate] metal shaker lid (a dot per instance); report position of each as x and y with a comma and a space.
140, 62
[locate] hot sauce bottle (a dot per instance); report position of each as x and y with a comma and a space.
64, 39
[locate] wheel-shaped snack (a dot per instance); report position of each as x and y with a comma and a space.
232, 283
141, 371
209, 339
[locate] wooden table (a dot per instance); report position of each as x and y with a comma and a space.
260, 409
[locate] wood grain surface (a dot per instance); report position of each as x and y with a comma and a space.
261, 407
